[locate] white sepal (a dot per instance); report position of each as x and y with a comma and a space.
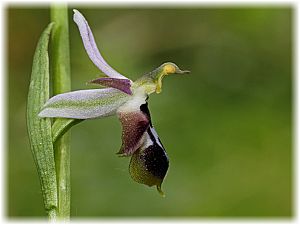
85, 104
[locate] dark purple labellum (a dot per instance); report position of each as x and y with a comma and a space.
156, 159
120, 84
150, 163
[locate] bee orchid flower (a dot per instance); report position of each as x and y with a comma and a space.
126, 99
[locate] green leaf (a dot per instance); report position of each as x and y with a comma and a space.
39, 129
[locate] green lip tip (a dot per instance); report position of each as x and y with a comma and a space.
158, 187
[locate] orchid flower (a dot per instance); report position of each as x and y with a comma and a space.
126, 99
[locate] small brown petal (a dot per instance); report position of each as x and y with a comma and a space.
134, 125
120, 84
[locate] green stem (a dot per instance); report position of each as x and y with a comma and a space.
60, 127
61, 84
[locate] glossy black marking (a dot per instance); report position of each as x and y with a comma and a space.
156, 160
144, 108
153, 139
154, 156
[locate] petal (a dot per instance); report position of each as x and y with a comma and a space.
120, 84
91, 47
134, 125
134, 122
85, 104
150, 163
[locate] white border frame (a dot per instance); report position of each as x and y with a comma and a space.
154, 3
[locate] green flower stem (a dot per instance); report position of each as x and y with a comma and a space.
61, 126
61, 84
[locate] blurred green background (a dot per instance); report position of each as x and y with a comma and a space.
227, 126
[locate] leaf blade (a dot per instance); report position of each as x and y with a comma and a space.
39, 129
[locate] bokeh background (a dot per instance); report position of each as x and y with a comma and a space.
227, 126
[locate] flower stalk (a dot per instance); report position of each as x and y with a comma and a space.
61, 84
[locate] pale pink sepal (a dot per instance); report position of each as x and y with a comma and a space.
91, 47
